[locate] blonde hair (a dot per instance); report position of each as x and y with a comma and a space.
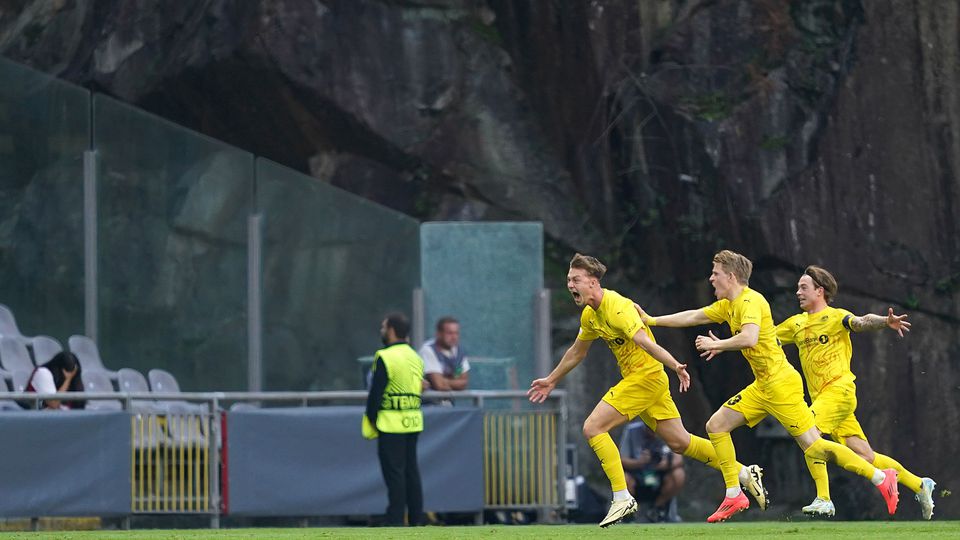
735, 263
825, 280
592, 266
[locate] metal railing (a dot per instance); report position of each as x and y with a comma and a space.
176, 446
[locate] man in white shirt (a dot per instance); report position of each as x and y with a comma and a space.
445, 366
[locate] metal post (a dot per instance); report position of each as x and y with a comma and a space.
215, 442
562, 432
479, 403
417, 318
254, 303
90, 306
541, 346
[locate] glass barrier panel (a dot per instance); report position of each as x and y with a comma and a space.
486, 275
333, 265
44, 130
173, 211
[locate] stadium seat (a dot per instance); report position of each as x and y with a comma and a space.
99, 381
132, 381
19, 384
14, 355
7, 404
8, 326
20, 379
163, 382
89, 355
147, 432
185, 427
45, 348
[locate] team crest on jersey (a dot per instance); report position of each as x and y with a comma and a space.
823, 339
824, 318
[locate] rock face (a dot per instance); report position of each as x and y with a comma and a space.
650, 133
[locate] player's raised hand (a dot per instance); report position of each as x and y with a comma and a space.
705, 345
681, 370
540, 389
898, 322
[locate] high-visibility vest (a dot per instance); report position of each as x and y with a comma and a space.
400, 408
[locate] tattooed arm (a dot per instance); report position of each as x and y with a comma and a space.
872, 321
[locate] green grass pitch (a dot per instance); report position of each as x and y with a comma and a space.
797, 530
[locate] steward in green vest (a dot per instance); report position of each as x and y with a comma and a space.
394, 418
399, 405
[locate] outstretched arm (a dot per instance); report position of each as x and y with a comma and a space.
872, 321
681, 319
541, 388
664, 357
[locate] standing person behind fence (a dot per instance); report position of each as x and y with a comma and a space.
59, 374
393, 416
445, 364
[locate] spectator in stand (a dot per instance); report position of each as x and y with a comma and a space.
445, 364
654, 473
60, 374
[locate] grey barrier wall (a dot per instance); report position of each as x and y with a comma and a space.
65, 464
313, 461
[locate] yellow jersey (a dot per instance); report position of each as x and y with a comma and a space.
823, 339
616, 321
766, 358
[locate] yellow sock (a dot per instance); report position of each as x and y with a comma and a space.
606, 450
904, 476
727, 456
842, 456
818, 471
702, 450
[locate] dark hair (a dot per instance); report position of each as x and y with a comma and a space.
400, 324
68, 361
444, 321
822, 278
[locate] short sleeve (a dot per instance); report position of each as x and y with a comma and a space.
587, 333
716, 312
43, 381
844, 319
785, 331
430, 362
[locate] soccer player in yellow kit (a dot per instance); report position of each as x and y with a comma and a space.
777, 390
644, 390
822, 336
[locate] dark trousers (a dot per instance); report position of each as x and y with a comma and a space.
398, 462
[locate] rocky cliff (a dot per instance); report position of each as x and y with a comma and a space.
648, 132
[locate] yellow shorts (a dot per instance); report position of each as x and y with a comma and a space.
833, 409
782, 398
646, 397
